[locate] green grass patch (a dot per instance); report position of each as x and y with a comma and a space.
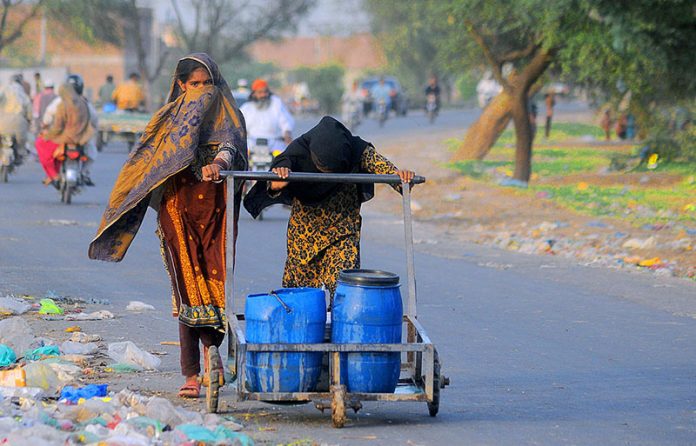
638, 205
560, 132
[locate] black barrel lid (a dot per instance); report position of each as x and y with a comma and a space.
368, 277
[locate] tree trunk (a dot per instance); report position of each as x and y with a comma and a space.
523, 137
482, 134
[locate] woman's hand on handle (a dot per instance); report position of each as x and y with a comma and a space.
406, 175
211, 172
282, 172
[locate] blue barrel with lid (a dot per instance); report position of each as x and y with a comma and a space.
285, 316
367, 308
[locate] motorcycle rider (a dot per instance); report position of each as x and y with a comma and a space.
433, 89
44, 147
15, 115
381, 92
352, 106
267, 117
75, 82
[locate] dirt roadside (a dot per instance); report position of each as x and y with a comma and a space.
485, 213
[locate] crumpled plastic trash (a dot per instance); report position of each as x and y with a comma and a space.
12, 305
84, 337
41, 352
66, 371
78, 348
13, 378
49, 306
221, 433
122, 368
7, 355
40, 374
95, 316
73, 394
129, 353
32, 393
137, 306
16, 334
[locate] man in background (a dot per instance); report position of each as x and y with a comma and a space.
106, 91
129, 95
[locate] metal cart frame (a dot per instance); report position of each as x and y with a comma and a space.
423, 378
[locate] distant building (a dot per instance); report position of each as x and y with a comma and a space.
356, 53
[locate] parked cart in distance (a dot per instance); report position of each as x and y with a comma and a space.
420, 377
121, 125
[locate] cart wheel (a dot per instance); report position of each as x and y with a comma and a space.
213, 392
434, 406
338, 405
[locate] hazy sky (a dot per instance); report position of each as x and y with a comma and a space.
328, 17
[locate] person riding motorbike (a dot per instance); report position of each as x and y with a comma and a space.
267, 118
352, 106
433, 89
15, 115
381, 93
75, 81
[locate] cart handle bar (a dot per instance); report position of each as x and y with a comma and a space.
361, 178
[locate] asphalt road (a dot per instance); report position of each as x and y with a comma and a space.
539, 350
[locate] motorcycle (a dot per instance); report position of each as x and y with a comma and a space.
261, 156
431, 107
352, 114
382, 112
8, 157
70, 180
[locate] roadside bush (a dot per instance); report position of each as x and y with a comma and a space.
325, 85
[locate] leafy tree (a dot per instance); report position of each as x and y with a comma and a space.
644, 47
325, 84
224, 28
410, 39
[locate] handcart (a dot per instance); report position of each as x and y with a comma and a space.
421, 377
126, 126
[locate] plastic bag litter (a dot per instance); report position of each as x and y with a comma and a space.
7, 355
49, 306
12, 305
95, 316
22, 392
16, 334
41, 352
129, 353
137, 306
42, 375
163, 410
220, 434
73, 394
36, 435
84, 338
78, 348
66, 372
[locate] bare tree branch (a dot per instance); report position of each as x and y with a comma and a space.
224, 28
17, 32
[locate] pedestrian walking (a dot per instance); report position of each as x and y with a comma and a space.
176, 170
550, 102
605, 123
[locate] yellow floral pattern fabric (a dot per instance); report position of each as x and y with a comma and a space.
324, 239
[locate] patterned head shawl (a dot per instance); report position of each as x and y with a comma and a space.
198, 117
72, 123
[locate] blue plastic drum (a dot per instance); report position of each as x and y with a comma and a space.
367, 308
288, 315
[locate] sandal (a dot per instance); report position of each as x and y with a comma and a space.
191, 388
205, 381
